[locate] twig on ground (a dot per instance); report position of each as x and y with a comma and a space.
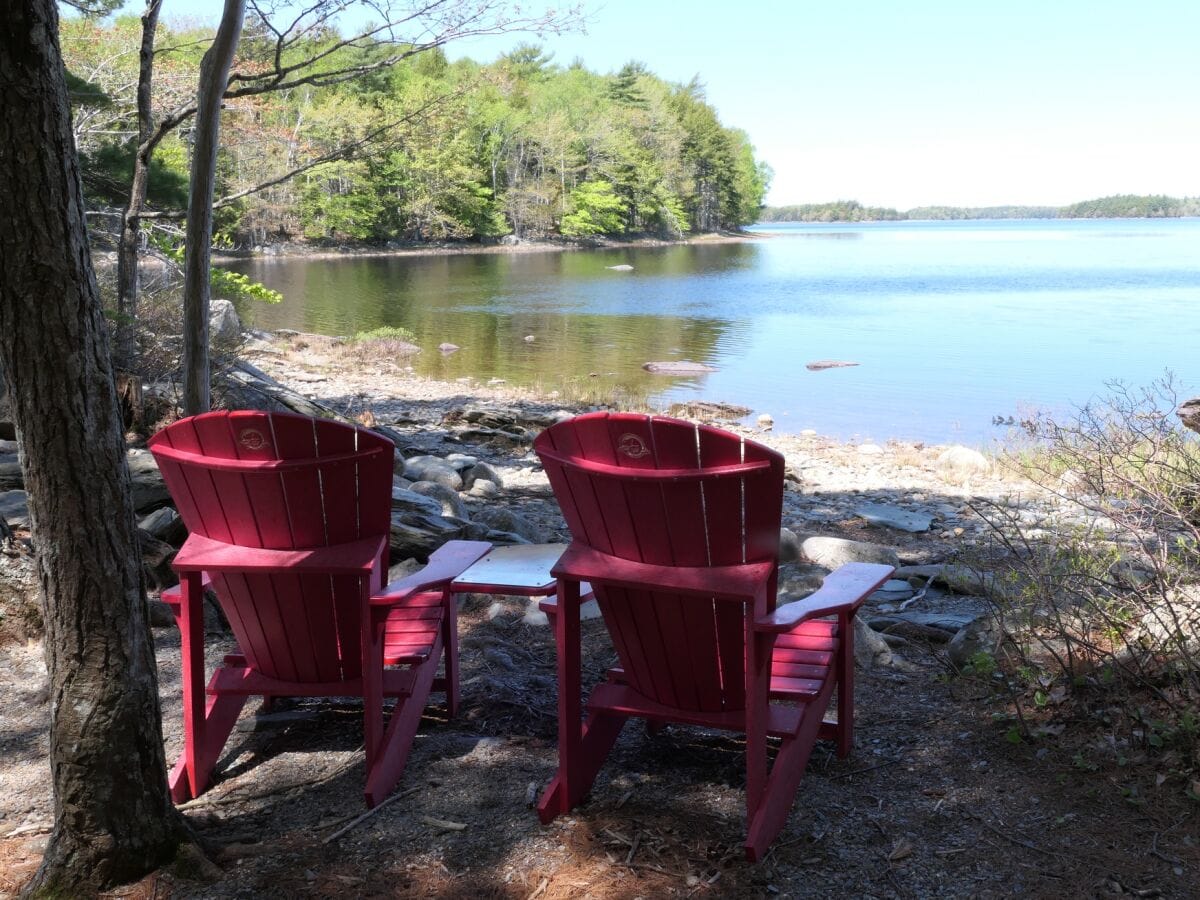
229, 797
370, 812
890, 762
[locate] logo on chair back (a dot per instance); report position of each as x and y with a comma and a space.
632, 446
252, 439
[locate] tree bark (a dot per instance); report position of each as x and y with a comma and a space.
113, 820
131, 229
214, 75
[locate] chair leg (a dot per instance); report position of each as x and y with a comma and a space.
385, 769
190, 776
845, 666
770, 809
450, 643
576, 775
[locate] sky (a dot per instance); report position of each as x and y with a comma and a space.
921, 102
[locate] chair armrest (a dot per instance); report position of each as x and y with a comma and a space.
201, 554
844, 590
445, 564
742, 582
173, 596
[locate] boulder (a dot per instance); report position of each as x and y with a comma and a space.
820, 365
894, 517
14, 508
224, 326
149, 489
156, 561
832, 552
419, 535
164, 525
679, 367
482, 471
500, 519
494, 437
484, 489
11, 478
979, 636
961, 462
448, 348
411, 502
435, 469
451, 503
789, 545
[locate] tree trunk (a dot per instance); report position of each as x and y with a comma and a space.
214, 74
113, 820
131, 226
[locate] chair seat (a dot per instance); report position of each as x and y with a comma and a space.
802, 660
410, 631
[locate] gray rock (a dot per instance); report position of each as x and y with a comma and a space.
501, 519
11, 478
679, 367
224, 326
165, 525
149, 490
484, 489
448, 348
156, 561
620, 268
485, 472
494, 437
160, 614
821, 365
14, 508
980, 636
420, 535
959, 579
962, 462
789, 545
432, 468
894, 517
833, 552
451, 503
412, 502
870, 649
461, 461
500, 538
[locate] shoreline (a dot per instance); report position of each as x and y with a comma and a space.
294, 251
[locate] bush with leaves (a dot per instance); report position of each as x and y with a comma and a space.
1101, 602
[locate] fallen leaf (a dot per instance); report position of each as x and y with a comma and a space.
901, 850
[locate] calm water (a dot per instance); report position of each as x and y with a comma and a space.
952, 323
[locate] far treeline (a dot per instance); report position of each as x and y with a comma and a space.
1121, 206
423, 150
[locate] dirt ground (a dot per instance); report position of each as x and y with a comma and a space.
934, 802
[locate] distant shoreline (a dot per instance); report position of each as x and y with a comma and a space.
354, 251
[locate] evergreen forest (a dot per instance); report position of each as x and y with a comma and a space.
425, 149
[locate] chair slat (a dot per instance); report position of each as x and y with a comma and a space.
294, 439
217, 439
339, 486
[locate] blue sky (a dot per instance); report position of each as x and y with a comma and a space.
925, 101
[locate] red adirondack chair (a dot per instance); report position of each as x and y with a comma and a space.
676, 528
289, 520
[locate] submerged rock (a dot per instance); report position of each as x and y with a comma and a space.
680, 367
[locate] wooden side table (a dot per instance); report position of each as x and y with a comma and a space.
521, 570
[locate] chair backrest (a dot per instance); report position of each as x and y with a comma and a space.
281, 481
669, 493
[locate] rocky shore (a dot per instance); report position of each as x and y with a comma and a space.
931, 803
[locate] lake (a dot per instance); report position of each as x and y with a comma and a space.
951, 323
